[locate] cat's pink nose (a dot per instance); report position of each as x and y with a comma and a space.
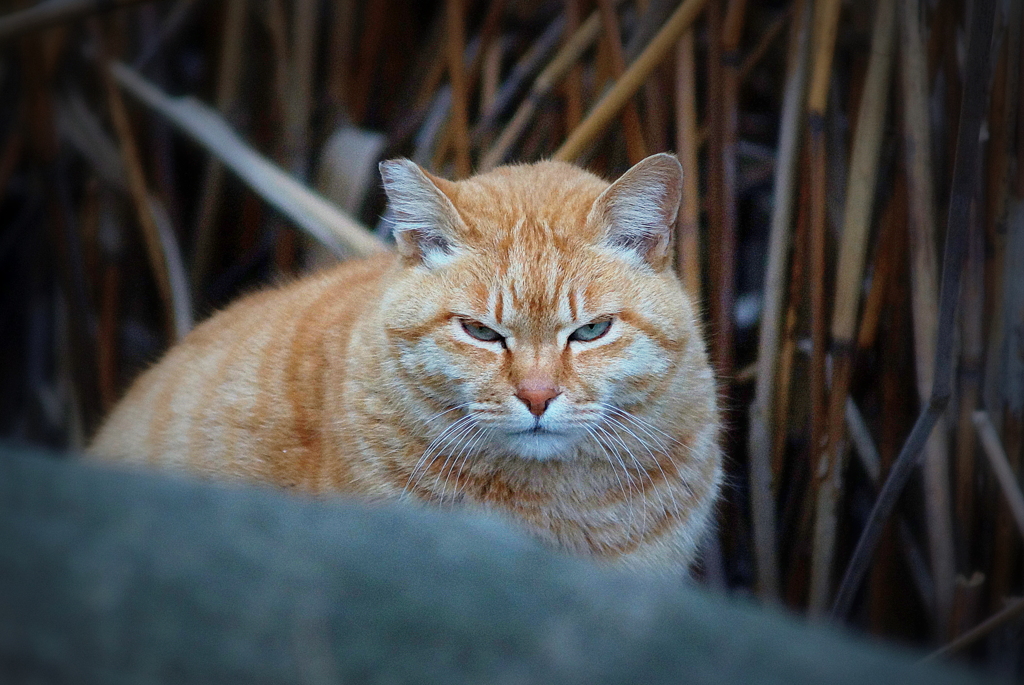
536, 395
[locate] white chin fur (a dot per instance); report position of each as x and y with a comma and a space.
540, 446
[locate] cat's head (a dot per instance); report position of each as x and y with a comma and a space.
536, 300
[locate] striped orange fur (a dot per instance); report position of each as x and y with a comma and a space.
528, 350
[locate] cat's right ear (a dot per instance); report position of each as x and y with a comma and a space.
425, 220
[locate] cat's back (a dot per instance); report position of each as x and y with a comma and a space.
244, 386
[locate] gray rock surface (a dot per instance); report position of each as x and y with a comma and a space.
111, 577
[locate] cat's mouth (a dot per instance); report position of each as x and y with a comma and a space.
537, 430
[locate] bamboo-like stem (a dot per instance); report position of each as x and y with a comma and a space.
545, 82
615, 99
763, 494
457, 79
636, 149
860, 197
973, 104
688, 221
213, 176
1007, 614
307, 209
924, 291
50, 12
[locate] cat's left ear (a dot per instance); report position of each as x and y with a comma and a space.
638, 211
426, 223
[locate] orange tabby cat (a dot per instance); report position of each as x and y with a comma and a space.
528, 350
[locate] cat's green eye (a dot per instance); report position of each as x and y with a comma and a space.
481, 332
591, 331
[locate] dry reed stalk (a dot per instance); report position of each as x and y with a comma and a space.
309, 211
301, 68
720, 318
763, 494
174, 21
636, 148
528, 63
801, 256
969, 389
109, 241
884, 588
369, 47
688, 221
1011, 611
1010, 309
826, 21
490, 75
924, 291
881, 272
552, 74
457, 78
767, 39
615, 99
228, 82
573, 86
276, 21
966, 602
337, 84
485, 41
50, 12
860, 199
1000, 464
724, 229
176, 329
963, 188
11, 154
871, 461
